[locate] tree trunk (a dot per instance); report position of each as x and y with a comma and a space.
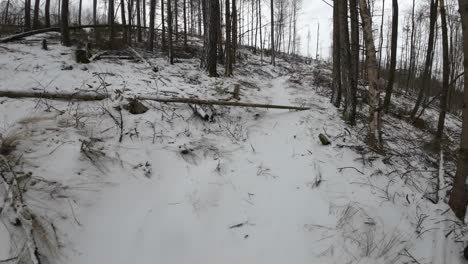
130, 22
6, 12
80, 5
374, 137
345, 53
46, 13
272, 33
169, 27
412, 47
426, 76
394, 44
185, 23
36, 14
64, 24
458, 197
124, 22
151, 25
228, 63
354, 65
381, 37
95, 12
212, 57
336, 85
110, 16
163, 22
176, 18
138, 10
27, 15
260, 27
446, 72
234, 32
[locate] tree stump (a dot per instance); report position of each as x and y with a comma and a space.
81, 56
324, 140
44, 44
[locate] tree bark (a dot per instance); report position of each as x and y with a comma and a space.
458, 197
151, 25
374, 132
336, 85
446, 72
110, 17
228, 64
234, 32
64, 24
47, 13
185, 23
36, 14
124, 22
212, 56
95, 12
345, 53
138, 13
27, 15
169, 27
354, 65
394, 45
163, 22
272, 33
80, 4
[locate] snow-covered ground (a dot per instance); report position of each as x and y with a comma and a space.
254, 186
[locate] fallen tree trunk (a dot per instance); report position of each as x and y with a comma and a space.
99, 97
55, 29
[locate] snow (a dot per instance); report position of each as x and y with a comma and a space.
255, 186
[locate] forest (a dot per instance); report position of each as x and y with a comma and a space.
233, 131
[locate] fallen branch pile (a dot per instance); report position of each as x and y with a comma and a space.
99, 97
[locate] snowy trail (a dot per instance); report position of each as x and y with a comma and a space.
184, 213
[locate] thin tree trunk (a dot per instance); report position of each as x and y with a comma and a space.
381, 37
446, 72
36, 14
176, 18
6, 12
272, 34
95, 12
46, 13
130, 21
163, 21
391, 77
412, 47
260, 26
169, 28
228, 64
374, 137
80, 5
345, 52
124, 22
138, 10
354, 64
151, 25
27, 15
64, 24
234, 32
336, 85
110, 16
185, 23
212, 57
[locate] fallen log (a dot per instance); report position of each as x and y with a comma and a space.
55, 29
99, 97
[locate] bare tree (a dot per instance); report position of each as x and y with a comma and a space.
138, 14
110, 18
46, 13
169, 33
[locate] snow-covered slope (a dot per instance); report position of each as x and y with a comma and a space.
254, 186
